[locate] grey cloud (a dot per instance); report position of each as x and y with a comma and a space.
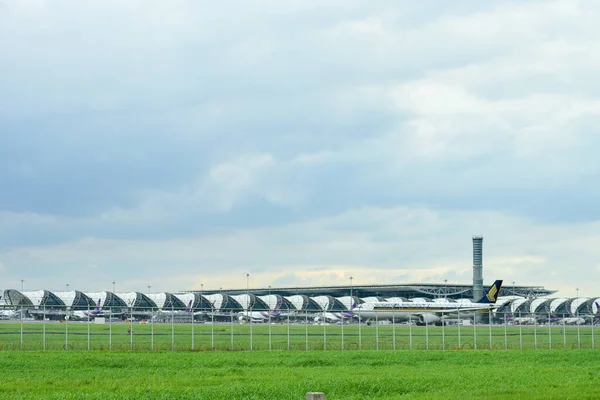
145, 129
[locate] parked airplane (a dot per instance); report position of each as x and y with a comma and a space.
429, 313
88, 314
96, 312
567, 320
261, 316
336, 316
529, 320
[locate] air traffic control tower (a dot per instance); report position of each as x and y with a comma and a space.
477, 267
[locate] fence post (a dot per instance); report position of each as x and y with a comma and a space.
172, 327
564, 333
534, 332
359, 333
212, 328
549, 331
593, 317
324, 332
21, 326
490, 325
152, 329
288, 329
110, 318
44, 316
458, 325
443, 333
232, 344
520, 333
505, 335
410, 331
88, 327
66, 334
475, 330
342, 315
306, 329
578, 330
426, 333
394, 329
192, 311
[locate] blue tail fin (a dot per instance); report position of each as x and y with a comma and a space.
492, 294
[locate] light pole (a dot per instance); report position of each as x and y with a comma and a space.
249, 313
351, 298
514, 293
22, 285
67, 287
113, 286
148, 289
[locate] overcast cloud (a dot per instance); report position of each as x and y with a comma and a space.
185, 142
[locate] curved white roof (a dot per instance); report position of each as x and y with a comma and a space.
576, 303
443, 300
97, 296
517, 303
270, 300
35, 297
296, 300
502, 301
215, 299
556, 303
186, 298
371, 299
537, 304
129, 298
346, 301
66, 297
395, 299
596, 305
159, 299
243, 299
322, 301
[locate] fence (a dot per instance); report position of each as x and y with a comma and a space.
30, 328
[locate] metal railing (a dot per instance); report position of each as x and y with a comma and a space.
35, 328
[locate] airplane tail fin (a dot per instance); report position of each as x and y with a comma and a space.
99, 305
492, 294
189, 306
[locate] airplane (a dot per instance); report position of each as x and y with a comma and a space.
8, 314
567, 320
429, 313
261, 316
336, 316
96, 312
520, 320
88, 314
188, 309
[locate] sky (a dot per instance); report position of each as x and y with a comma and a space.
184, 144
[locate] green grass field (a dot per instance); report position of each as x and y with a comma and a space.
226, 337
281, 375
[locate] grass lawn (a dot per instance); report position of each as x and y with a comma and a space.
528, 374
184, 337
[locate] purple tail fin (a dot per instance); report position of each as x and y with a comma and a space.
189, 306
